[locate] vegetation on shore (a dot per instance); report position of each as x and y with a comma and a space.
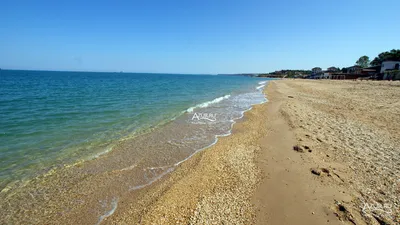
393, 55
363, 61
286, 73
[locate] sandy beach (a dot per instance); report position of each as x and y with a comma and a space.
344, 159
319, 152
200, 113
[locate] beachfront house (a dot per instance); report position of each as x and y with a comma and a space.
354, 70
332, 69
390, 65
328, 74
316, 70
390, 70
371, 72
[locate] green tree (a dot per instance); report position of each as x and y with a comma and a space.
363, 61
394, 55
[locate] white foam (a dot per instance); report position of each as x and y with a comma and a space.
170, 168
128, 168
233, 121
109, 149
206, 104
259, 87
262, 82
114, 205
154, 179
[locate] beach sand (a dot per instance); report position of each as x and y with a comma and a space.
319, 152
346, 136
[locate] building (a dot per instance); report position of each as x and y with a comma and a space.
372, 72
316, 70
390, 65
390, 70
332, 69
354, 70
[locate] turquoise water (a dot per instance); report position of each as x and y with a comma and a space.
49, 119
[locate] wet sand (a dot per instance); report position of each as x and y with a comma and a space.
319, 152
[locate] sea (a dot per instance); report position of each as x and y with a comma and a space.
137, 123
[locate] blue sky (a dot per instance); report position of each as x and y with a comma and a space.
204, 36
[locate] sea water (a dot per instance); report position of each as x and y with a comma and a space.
52, 119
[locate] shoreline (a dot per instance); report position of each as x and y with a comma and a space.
61, 131
183, 195
294, 159
255, 176
164, 176
85, 183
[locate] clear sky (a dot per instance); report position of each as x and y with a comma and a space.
203, 36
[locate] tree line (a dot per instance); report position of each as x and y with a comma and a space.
393, 55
